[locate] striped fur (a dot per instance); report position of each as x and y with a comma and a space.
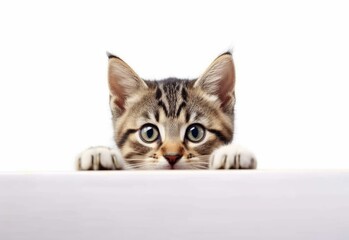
172, 105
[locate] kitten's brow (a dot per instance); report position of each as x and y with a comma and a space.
146, 115
187, 116
156, 114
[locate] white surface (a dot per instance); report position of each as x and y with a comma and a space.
291, 63
169, 205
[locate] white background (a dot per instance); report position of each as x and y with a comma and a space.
291, 61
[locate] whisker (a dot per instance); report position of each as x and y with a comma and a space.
199, 162
138, 165
142, 162
199, 167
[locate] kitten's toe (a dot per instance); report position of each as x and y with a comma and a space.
218, 160
232, 156
247, 160
100, 158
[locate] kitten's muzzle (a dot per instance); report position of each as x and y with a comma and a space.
172, 158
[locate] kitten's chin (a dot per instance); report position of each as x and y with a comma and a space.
182, 164
178, 166
169, 167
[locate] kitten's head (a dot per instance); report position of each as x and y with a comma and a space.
173, 123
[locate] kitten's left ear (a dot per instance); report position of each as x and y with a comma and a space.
219, 80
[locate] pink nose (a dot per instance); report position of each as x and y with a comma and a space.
172, 159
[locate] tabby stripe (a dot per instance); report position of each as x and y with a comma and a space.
187, 116
184, 94
157, 115
125, 136
183, 104
219, 135
158, 94
162, 104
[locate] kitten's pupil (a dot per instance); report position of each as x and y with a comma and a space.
194, 132
150, 132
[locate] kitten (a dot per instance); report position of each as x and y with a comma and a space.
171, 124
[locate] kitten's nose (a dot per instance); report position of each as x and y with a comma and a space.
172, 158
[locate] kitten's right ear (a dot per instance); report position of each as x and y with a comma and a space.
123, 82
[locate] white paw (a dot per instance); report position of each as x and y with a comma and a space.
232, 156
100, 158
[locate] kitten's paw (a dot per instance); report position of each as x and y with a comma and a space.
232, 156
100, 158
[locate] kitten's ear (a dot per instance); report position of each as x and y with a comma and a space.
123, 82
219, 80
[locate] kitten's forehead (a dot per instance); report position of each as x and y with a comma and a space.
172, 95
177, 101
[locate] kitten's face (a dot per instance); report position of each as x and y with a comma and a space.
172, 124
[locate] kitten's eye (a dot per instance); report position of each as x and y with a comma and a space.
195, 133
149, 133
